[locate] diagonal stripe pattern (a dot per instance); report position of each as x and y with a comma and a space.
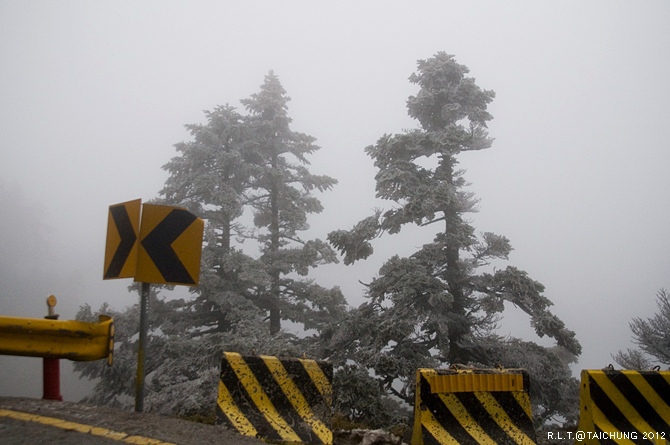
624, 406
279, 400
485, 407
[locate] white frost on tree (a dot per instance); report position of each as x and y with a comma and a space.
652, 337
235, 163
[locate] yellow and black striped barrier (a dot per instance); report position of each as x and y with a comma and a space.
624, 407
276, 399
472, 406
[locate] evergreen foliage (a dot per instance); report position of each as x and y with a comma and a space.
437, 308
281, 198
247, 176
652, 336
255, 163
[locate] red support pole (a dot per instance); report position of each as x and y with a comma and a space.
51, 366
51, 378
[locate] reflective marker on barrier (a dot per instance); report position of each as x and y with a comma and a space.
475, 382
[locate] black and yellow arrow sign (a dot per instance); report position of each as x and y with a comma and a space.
170, 246
164, 248
121, 249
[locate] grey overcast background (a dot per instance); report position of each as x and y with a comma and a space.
93, 95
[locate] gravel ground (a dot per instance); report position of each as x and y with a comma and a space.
167, 429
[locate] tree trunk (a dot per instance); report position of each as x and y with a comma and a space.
275, 315
458, 326
275, 319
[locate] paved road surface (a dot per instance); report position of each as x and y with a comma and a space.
41, 422
17, 432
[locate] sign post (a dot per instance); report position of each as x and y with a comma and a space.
163, 246
141, 357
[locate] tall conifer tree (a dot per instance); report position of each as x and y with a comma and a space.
282, 198
436, 307
253, 274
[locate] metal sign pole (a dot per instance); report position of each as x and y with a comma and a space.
141, 352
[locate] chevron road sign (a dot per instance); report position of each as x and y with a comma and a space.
170, 246
161, 247
123, 225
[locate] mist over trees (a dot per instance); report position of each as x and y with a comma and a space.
255, 164
26, 242
247, 175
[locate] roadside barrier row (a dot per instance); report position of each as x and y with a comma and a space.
289, 401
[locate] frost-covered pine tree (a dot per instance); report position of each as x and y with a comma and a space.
652, 336
436, 308
246, 175
254, 162
281, 197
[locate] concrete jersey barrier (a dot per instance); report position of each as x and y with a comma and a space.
283, 400
624, 407
472, 406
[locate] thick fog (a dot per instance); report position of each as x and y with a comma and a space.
93, 95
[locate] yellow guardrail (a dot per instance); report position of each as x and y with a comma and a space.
73, 340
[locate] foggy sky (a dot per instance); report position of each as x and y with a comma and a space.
93, 95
